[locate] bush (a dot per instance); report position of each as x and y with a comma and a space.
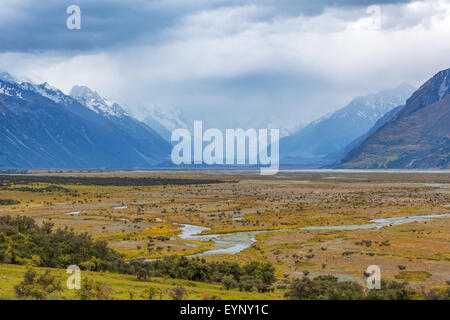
178, 293
230, 274
22, 241
8, 202
37, 287
392, 290
329, 288
437, 294
150, 292
229, 282
94, 290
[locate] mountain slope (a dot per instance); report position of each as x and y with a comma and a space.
94, 102
334, 132
145, 138
339, 155
41, 127
164, 121
417, 137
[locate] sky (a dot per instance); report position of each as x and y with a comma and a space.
230, 63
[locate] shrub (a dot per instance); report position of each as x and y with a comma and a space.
329, 288
8, 202
22, 241
37, 287
150, 292
94, 290
437, 294
229, 282
178, 293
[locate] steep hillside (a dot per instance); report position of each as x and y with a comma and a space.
334, 132
417, 137
339, 155
41, 127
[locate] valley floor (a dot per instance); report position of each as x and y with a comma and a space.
142, 221
125, 287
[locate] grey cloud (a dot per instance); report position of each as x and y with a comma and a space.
33, 26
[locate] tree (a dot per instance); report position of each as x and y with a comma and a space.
303, 289
246, 283
229, 283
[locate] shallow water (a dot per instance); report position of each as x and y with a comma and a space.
232, 243
229, 243
76, 213
363, 171
437, 185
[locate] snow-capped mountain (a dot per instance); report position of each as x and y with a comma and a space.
333, 132
48, 91
43, 89
41, 127
5, 76
95, 102
7, 89
164, 121
273, 122
418, 136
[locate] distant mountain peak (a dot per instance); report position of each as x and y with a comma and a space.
418, 136
10, 89
84, 92
44, 128
434, 90
5, 76
47, 86
336, 130
95, 102
373, 105
46, 90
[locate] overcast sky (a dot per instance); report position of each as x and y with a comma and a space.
228, 62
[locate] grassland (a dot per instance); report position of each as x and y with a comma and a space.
140, 220
125, 287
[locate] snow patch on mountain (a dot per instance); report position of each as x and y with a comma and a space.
96, 103
43, 89
335, 131
5, 76
47, 91
171, 119
443, 89
9, 90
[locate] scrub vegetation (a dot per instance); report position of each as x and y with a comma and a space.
109, 223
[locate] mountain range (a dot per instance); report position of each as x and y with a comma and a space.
41, 127
165, 121
326, 140
418, 136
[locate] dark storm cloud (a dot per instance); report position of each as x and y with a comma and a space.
30, 26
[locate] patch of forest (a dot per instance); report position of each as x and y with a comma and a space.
102, 181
